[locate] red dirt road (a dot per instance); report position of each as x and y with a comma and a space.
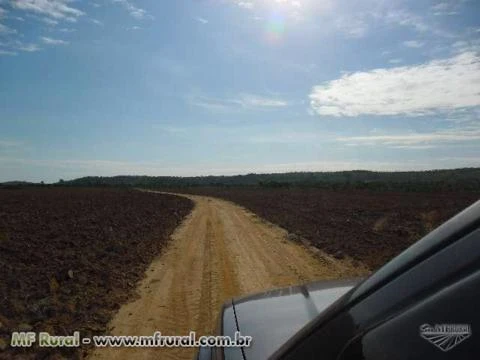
220, 251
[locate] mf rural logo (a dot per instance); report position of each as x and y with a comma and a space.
445, 336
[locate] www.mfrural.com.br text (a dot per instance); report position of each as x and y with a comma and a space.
44, 339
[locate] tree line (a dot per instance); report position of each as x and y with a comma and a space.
465, 179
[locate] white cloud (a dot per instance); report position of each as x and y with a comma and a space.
417, 22
284, 137
416, 140
4, 29
435, 86
413, 44
214, 105
133, 10
7, 52
169, 129
461, 46
50, 22
246, 4
51, 41
296, 11
245, 101
395, 61
441, 6
96, 22
352, 27
10, 143
405, 18
446, 8
58, 9
52, 170
28, 47
466, 117
201, 20
249, 100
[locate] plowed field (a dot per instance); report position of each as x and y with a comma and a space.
369, 226
70, 257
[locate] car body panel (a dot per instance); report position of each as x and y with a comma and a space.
230, 326
272, 317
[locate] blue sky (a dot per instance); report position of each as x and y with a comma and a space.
110, 87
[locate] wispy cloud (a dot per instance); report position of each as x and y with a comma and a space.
242, 101
284, 137
250, 100
7, 143
417, 22
245, 4
395, 61
405, 18
76, 167
355, 27
448, 8
4, 29
51, 41
363, 16
416, 140
73, 168
461, 46
58, 9
438, 85
169, 129
466, 117
133, 10
413, 44
49, 21
210, 104
201, 20
7, 52
97, 22
28, 47
291, 4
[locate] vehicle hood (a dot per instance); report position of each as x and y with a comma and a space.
272, 317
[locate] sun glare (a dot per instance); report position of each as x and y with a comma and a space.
280, 14
275, 27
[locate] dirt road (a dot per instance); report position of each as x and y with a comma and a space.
220, 251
